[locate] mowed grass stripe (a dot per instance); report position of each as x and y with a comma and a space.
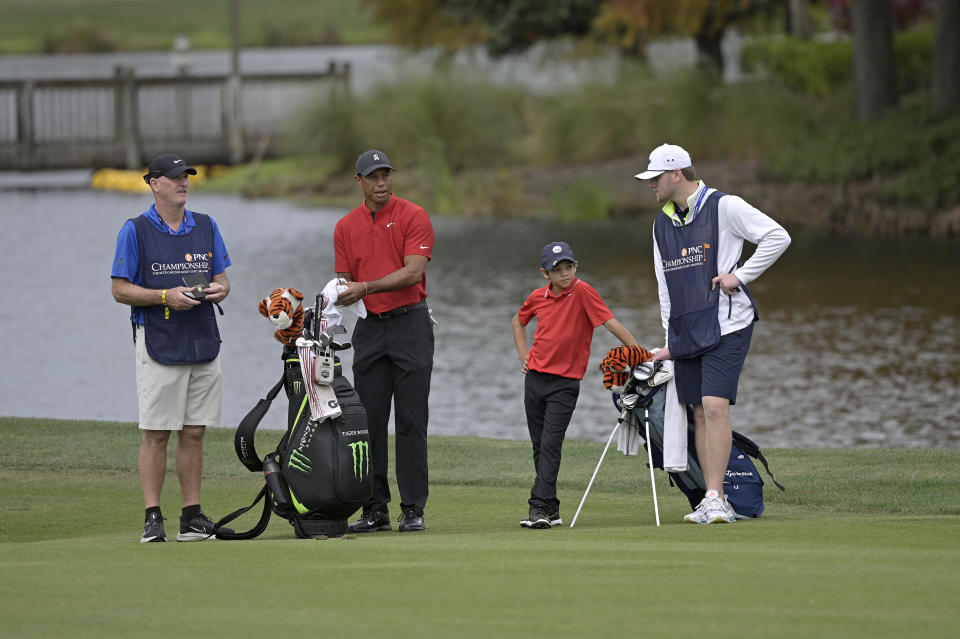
821, 562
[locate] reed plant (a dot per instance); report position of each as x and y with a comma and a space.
712, 120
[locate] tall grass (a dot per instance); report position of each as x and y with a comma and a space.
445, 125
694, 109
437, 125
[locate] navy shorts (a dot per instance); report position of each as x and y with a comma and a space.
715, 373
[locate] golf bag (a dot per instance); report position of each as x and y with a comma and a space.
743, 485
319, 473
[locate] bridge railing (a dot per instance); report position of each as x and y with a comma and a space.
124, 120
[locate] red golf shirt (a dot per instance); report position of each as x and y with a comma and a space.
565, 323
369, 247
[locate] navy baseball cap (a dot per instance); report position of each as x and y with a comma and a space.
554, 253
168, 165
370, 161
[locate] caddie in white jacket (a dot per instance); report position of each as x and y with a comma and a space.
705, 306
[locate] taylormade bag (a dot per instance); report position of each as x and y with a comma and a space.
743, 485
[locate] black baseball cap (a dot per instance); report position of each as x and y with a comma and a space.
554, 253
370, 161
168, 165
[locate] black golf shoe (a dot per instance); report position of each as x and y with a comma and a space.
153, 529
199, 528
375, 521
411, 520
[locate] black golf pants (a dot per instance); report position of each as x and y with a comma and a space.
392, 363
549, 401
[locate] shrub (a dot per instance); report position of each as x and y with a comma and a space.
819, 68
908, 152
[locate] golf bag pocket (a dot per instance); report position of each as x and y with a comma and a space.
742, 485
327, 464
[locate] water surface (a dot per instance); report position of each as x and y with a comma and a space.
858, 344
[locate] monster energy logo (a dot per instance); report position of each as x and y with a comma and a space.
299, 461
296, 387
361, 459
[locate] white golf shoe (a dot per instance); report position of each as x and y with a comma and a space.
699, 515
718, 511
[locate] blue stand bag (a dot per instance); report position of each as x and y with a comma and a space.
743, 485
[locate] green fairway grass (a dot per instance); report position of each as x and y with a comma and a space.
864, 543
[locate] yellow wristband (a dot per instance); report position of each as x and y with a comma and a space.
163, 300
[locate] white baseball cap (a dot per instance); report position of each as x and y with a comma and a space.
665, 157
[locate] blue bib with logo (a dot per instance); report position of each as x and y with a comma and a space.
185, 337
689, 258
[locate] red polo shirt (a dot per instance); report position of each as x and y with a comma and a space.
565, 323
369, 247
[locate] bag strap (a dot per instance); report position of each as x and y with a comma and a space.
243, 439
257, 529
748, 446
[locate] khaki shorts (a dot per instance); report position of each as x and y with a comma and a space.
171, 396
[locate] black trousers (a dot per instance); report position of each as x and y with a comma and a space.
392, 362
549, 401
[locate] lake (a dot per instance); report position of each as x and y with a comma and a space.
858, 343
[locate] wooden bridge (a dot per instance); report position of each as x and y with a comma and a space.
124, 120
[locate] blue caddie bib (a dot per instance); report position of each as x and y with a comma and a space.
185, 337
689, 258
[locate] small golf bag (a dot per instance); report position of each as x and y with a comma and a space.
319, 474
742, 485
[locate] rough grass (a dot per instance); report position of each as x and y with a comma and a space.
863, 543
27, 26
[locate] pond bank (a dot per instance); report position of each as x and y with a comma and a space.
608, 190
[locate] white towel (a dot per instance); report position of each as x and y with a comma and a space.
327, 402
674, 428
331, 312
628, 439
321, 397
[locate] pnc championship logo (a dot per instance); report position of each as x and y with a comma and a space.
690, 256
192, 263
361, 459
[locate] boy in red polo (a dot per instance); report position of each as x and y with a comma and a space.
567, 311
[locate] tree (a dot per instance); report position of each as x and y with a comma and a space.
629, 24
514, 25
799, 19
504, 26
945, 85
423, 23
874, 66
